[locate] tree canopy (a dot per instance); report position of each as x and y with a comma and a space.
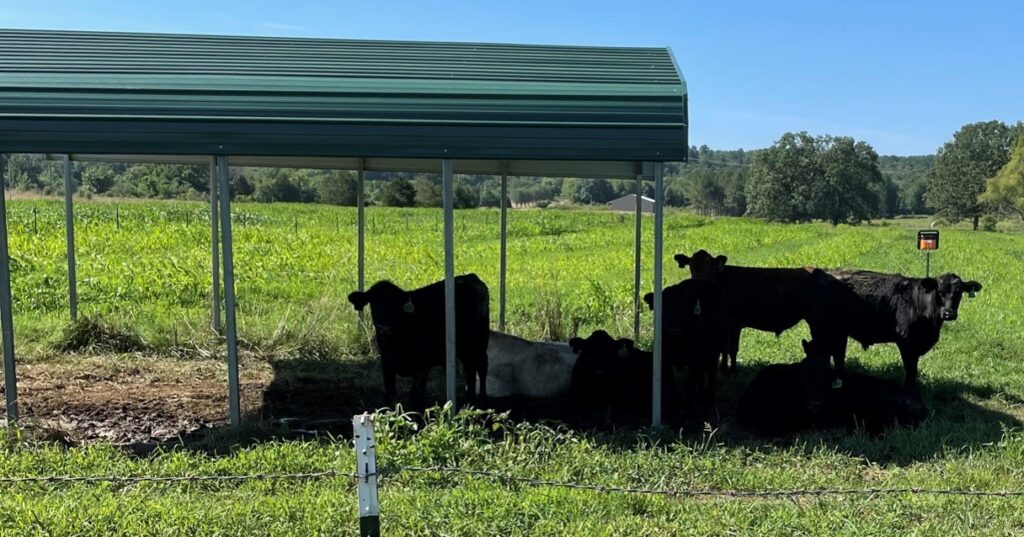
964, 165
1006, 189
800, 178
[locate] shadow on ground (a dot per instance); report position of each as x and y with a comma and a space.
307, 397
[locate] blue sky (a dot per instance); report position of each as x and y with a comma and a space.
901, 75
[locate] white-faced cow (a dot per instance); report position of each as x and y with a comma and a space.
517, 366
769, 299
410, 331
872, 308
696, 325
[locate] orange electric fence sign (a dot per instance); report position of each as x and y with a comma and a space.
928, 239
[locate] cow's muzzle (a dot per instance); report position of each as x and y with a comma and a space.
948, 315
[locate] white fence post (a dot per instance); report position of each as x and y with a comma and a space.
366, 470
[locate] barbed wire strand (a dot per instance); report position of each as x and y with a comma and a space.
508, 478
126, 479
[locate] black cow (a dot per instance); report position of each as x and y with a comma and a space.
696, 326
768, 299
873, 307
410, 331
786, 398
613, 376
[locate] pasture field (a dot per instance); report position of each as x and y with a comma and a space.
112, 396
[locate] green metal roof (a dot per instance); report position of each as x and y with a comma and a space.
157, 94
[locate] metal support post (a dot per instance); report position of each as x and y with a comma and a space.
366, 470
6, 320
659, 201
69, 227
449, 278
503, 255
215, 249
229, 291
636, 258
361, 232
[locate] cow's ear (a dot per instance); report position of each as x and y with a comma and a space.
649, 299
576, 344
359, 300
972, 287
930, 285
720, 263
682, 259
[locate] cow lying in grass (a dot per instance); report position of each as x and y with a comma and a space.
409, 328
528, 368
872, 308
786, 398
612, 377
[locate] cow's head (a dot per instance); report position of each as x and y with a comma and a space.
390, 306
594, 373
686, 304
943, 295
702, 264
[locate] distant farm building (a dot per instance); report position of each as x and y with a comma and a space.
628, 203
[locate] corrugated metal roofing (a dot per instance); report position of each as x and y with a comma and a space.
98, 92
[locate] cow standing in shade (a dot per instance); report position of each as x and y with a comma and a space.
410, 331
769, 299
695, 321
872, 307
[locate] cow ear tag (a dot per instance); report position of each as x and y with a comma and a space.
409, 307
623, 352
696, 309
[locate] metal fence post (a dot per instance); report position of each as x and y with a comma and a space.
449, 278
6, 320
366, 471
69, 226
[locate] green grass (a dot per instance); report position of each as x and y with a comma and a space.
568, 270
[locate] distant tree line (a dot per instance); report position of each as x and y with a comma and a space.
799, 178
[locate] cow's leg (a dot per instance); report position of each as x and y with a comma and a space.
419, 389
481, 371
734, 348
910, 368
469, 372
839, 357
389, 374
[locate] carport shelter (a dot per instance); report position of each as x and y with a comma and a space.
474, 108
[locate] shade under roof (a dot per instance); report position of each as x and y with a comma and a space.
157, 94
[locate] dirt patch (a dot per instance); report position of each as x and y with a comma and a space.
132, 400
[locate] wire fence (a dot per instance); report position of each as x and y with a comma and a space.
368, 475
510, 479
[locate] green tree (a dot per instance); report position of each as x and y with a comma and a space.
338, 188
428, 192
706, 195
99, 177
847, 190
1006, 189
781, 179
963, 165
397, 193
593, 191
